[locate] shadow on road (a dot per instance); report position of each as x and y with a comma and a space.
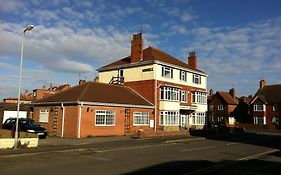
255, 167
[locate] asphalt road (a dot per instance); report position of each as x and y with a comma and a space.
251, 154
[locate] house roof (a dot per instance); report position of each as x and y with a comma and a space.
98, 93
13, 106
228, 98
270, 94
151, 54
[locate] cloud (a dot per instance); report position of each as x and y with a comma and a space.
11, 5
234, 54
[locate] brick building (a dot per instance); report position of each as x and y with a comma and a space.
266, 104
221, 105
94, 109
176, 89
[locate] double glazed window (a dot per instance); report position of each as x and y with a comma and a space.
259, 107
183, 75
105, 118
196, 79
259, 120
44, 115
167, 72
183, 97
198, 118
141, 118
169, 93
220, 107
199, 97
169, 118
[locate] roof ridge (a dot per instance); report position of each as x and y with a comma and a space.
87, 84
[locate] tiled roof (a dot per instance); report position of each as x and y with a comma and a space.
151, 54
228, 98
98, 93
269, 94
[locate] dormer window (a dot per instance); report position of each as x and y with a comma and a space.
167, 72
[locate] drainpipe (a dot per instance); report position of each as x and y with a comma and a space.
62, 123
155, 100
79, 119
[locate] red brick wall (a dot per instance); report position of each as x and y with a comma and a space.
145, 88
134, 129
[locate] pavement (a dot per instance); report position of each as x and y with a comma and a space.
57, 144
62, 145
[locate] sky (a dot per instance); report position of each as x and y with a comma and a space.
237, 43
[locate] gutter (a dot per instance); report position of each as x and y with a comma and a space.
94, 104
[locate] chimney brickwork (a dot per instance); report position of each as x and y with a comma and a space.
137, 48
192, 60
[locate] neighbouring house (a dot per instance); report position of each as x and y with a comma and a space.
266, 104
221, 106
94, 109
177, 89
242, 111
8, 110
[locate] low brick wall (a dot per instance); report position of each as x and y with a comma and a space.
144, 134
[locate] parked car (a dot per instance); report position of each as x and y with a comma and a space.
26, 125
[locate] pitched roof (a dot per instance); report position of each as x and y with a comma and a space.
98, 93
152, 54
269, 94
228, 98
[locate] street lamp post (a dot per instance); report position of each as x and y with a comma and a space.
28, 28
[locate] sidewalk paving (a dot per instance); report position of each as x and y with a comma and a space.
56, 144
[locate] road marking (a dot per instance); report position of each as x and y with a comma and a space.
131, 148
234, 143
196, 149
258, 155
183, 140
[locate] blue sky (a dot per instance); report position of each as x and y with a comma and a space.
237, 42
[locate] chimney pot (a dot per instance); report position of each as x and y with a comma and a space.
211, 92
262, 83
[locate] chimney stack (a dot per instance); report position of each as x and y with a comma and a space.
211, 92
82, 82
137, 48
232, 92
262, 83
192, 60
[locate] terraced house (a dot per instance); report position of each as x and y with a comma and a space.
177, 89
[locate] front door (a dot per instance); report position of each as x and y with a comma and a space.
183, 121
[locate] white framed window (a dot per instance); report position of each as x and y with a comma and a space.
183, 76
275, 120
169, 118
275, 108
120, 73
167, 72
44, 116
199, 97
259, 107
198, 118
183, 97
196, 79
169, 93
259, 120
141, 118
105, 118
220, 107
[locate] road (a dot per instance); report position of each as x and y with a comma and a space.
250, 154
